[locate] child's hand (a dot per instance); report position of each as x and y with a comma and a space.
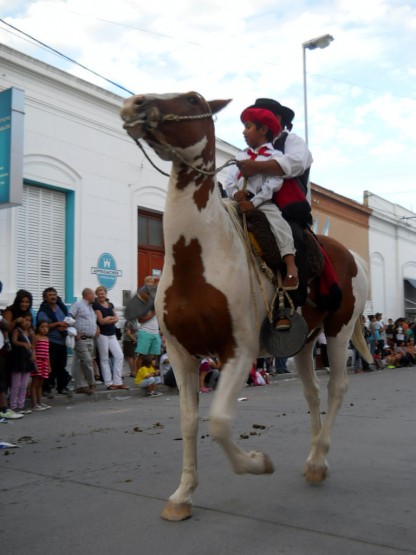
248, 168
246, 206
241, 195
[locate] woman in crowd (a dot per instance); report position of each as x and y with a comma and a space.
107, 340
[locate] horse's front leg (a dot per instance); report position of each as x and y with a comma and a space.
233, 376
179, 506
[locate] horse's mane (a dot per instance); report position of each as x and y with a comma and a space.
233, 223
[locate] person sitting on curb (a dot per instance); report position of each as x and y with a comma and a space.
148, 377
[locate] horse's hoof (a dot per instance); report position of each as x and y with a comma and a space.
315, 475
268, 464
176, 511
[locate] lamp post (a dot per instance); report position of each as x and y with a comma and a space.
319, 42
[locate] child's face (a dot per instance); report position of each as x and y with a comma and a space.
254, 137
27, 322
43, 329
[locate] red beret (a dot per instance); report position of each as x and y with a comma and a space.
264, 117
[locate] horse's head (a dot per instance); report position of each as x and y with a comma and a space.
171, 122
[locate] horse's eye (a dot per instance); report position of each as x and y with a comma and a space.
193, 99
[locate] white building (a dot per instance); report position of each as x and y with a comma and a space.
91, 201
392, 245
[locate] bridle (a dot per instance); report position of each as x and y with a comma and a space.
151, 124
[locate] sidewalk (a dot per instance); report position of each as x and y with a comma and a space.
102, 393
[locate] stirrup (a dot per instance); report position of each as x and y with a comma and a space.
290, 283
283, 321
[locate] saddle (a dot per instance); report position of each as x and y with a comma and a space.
315, 268
265, 246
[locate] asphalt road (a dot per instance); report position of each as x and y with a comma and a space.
92, 474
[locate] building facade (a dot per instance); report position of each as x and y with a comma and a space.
392, 251
92, 204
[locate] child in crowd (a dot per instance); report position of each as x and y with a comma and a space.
42, 367
22, 359
131, 328
257, 376
391, 359
148, 377
209, 374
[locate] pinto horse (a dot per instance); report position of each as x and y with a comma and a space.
209, 300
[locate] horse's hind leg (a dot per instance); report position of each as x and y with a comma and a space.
337, 387
179, 506
316, 466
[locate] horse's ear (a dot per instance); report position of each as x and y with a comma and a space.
217, 105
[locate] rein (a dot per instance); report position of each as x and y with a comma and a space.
177, 155
151, 123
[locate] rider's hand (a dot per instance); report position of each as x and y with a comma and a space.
241, 195
246, 206
248, 168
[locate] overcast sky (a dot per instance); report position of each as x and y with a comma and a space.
361, 88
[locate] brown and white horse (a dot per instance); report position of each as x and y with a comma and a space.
209, 303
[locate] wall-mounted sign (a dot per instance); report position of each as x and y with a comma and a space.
106, 270
11, 147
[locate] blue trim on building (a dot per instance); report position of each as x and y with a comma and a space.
69, 236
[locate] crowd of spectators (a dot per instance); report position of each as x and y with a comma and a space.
391, 344
34, 350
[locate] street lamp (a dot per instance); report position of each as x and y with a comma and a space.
319, 42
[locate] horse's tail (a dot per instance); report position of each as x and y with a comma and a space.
360, 343
358, 339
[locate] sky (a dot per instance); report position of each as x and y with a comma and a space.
361, 89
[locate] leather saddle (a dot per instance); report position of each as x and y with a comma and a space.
265, 246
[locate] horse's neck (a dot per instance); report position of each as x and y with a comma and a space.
193, 210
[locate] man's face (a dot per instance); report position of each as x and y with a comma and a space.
89, 296
51, 297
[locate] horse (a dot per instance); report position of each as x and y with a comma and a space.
209, 301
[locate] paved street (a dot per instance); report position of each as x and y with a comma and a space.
92, 476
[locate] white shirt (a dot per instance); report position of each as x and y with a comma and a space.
151, 325
261, 186
1, 336
297, 157
322, 338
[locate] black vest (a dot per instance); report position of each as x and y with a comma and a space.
303, 179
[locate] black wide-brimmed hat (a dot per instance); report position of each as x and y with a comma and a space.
278, 109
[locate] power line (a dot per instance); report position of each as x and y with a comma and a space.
65, 56
163, 35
